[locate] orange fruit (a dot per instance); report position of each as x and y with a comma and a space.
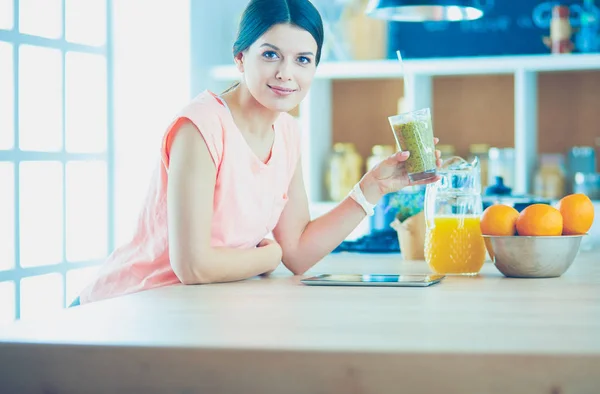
499, 219
540, 220
578, 213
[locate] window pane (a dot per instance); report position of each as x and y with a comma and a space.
86, 114
40, 98
6, 14
86, 210
77, 280
40, 213
41, 18
7, 302
41, 296
7, 216
85, 21
7, 105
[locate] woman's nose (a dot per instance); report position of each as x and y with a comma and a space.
284, 72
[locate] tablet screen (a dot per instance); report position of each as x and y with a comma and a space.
377, 278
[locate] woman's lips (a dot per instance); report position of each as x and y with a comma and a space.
281, 91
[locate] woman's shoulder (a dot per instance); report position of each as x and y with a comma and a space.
205, 113
206, 104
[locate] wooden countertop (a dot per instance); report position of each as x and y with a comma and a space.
467, 334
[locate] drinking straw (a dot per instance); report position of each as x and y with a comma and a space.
405, 76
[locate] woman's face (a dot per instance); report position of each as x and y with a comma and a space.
279, 67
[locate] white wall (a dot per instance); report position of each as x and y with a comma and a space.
214, 29
151, 83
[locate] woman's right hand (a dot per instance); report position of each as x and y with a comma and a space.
390, 175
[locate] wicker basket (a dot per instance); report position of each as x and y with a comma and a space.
411, 236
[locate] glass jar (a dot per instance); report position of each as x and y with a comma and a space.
354, 165
335, 176
481, 151
344, 170
378, 154
446, 150
454, 244
549, 181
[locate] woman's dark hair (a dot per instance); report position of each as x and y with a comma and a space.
260, 15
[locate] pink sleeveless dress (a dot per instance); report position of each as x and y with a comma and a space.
249, 198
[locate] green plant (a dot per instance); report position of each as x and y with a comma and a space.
407, 202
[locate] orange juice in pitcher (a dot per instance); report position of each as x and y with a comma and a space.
454, 245
453, 241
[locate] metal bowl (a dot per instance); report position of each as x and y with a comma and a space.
533, 257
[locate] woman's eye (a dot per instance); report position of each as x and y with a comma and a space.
270, 55
304, 60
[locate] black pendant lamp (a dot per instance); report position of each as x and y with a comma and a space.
425, 10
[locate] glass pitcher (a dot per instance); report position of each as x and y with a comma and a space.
453, 241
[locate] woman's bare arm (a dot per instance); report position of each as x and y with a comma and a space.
190, 193
305, 242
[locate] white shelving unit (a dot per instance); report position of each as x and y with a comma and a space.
315, 110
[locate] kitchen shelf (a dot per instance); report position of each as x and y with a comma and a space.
315, 113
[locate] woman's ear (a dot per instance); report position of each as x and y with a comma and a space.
239, 61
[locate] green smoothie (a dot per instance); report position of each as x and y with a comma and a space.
414, 133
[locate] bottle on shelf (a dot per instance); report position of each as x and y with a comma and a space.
561, 31
501, 162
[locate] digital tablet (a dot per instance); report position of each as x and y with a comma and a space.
389, 280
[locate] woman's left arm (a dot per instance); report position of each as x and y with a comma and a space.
305, 242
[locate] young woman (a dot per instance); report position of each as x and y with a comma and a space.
230, 172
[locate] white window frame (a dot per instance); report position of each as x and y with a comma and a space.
16, 156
